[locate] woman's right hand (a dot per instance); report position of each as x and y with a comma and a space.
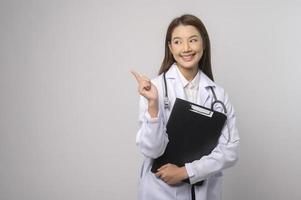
147, 89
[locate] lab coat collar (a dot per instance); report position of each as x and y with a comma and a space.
204, 83
194, 83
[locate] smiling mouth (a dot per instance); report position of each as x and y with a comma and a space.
188, 58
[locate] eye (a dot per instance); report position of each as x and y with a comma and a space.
194, 40
177, 42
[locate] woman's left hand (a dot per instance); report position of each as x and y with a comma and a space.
172, 174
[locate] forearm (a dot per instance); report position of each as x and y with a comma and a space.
221, 158
151, 137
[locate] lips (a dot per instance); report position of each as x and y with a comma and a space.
188, 58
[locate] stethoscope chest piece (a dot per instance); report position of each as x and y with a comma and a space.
166, 103
166, 99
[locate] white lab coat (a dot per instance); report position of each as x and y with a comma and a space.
152, 140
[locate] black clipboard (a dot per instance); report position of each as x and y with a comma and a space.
193, 132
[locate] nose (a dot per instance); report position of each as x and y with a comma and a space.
186, 46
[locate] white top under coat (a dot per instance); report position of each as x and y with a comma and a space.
190, 87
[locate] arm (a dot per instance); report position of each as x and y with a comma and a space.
151, 137
223, 156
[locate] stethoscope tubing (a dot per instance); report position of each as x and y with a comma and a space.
167, 102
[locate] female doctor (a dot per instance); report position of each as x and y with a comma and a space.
187, 67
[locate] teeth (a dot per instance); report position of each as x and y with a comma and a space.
188, 57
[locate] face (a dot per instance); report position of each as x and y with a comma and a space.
186, 46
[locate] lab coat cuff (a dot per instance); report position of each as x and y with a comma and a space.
150, 119
189, 170
193, 174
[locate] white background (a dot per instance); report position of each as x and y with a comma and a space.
69, 106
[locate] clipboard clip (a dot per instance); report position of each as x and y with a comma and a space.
201, 111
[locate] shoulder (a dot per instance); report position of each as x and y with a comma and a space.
157, 80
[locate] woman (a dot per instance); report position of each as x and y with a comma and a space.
187, 67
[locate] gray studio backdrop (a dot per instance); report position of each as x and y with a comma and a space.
69, 106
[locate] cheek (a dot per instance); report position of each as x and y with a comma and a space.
200, 54
198, 47
176, 51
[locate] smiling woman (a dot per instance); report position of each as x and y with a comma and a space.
185, 73
187, 35
187, 48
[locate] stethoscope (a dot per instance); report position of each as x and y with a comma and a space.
167, 101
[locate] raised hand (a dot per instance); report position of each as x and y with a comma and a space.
145, 87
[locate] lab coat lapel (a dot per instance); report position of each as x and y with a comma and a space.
179, 88
203, 95
172, 75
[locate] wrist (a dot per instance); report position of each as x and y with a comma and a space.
153, 108
183, 172
152, 102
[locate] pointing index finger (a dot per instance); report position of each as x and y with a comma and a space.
136, 75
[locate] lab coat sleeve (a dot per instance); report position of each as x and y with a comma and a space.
223, 156
151, 137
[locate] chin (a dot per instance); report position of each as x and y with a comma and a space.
188, 65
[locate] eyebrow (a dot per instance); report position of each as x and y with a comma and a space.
188, 38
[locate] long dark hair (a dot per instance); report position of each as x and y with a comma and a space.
187, 19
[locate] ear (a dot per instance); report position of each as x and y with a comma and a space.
169, 46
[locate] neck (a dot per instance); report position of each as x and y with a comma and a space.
189, 74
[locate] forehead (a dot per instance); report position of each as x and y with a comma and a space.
185, 31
